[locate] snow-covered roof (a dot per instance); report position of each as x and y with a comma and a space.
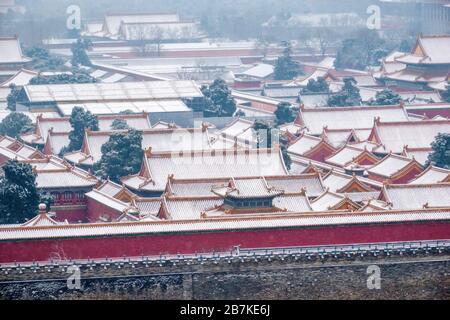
390, 165
310, 183
107, 92
303, 144
336, 181
429, 50
11, 52
417, 196
157, 140
349, 117
207, 164
432, 175
21, 78
261, 71
394, 136
116, 107
346, 155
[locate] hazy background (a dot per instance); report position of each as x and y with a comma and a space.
234, 19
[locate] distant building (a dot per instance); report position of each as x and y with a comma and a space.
162, 100
144, 27
430, 16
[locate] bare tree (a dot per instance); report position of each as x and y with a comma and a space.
325, 37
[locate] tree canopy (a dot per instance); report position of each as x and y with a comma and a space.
119, 124
348, 96
80, 120
19, 198
15, 124
43, 60
76, 76
13, 97
284, 143
218, 100
440, 157
287, 68
285, 113
316, 86
386, 97
79, 55
121, 155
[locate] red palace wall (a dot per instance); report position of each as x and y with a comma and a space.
97, 210
184, 243
71, 214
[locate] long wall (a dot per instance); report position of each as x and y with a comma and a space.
423, 275
215, 241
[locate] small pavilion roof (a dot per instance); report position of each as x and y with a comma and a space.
248, 188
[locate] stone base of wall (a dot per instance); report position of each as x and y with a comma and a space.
418, 277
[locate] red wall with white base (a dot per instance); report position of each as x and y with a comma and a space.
183, 243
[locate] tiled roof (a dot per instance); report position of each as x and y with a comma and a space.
108, 201
108, 92
110, 188
11, 51
56, 142
304, 144
420, 155
290, 184
346, 155
158, 140
21, 78
42, 219
148, 207
413, 134
12, 148
189, 208
292, 128
432, 175
328, 201
52, 172
339, 137
363, 196
293, 203
374, 205
224, 223
417, 196
300, 164
390, 165
336, 181
63, 179
208, 164
62, 125
247, 188
349, 117
239, 129
436, 50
